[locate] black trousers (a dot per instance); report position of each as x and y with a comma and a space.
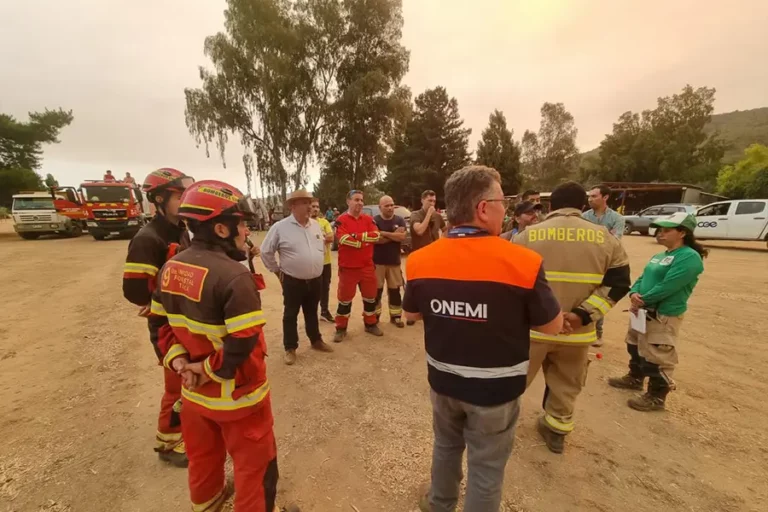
326, 288
301, 294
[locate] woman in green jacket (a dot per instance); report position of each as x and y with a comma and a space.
663, 292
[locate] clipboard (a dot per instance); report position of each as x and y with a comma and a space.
637, 322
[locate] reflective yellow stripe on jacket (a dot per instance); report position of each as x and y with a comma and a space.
140, 268
580, 338
245, 321
574, 277
226, 403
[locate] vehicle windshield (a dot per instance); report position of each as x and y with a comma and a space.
107, 194
33, 203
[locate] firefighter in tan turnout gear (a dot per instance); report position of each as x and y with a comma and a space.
588, 271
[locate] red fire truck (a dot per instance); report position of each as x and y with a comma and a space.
114, 208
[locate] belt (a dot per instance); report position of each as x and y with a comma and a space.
300, 279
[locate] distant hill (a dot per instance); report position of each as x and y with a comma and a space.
739, 129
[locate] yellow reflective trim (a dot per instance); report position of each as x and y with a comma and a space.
347, 240
586, 337
175, 351
196, 327
227, 404
168, 438
195, 206
209, 371
573, 277
210, 505
557, 424
599, 303
375, 238
140, 268
157, 309
216, 341
245, 321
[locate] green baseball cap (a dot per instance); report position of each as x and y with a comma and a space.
679, 219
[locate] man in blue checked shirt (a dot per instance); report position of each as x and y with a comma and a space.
600, 213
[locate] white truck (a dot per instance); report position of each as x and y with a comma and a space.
36, 214
744, 219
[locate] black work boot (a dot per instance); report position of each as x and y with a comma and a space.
555, 442
175, 457
654, 400
339, 336
374, 329
627, 381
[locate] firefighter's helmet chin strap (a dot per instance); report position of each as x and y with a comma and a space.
204, 232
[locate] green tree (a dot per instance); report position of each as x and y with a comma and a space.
668, 143
551, 156
275, 67
497, 149
362, 119
14, 180
21, 149
748, 178
433, 144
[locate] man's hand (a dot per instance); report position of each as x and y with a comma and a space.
188, 378
254, 252
401, 229
637, 300
279, 275
197, 372
179, 364
145, 311
430, 211
571, 322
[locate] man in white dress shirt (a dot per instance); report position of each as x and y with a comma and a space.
298, 242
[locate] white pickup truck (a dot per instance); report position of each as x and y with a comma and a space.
745, 219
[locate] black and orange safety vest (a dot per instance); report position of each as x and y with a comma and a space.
479, 296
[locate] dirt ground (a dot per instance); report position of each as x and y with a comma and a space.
81, 388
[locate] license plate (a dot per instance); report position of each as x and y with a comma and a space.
114, 232
37, 226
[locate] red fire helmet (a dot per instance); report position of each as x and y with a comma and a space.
208, 199
165, 179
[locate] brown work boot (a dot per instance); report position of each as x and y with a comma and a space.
321, 346
424, 498
627, 381
374, 329
290, 356
650, 401
410, 322
340, 335
175, 457
398, 323
555, 442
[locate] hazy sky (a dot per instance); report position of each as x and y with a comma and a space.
122, 65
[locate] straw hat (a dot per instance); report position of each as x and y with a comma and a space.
297, 194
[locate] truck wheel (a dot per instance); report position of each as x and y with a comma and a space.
29, 236
628, 228
98, 236
75, 232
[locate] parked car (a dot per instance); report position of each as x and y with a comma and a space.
373, 210
642, 221
745, 219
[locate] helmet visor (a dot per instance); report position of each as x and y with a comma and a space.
246, 207
181, 183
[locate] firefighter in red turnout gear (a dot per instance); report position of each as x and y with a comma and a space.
357, 234
208, 312
147, 253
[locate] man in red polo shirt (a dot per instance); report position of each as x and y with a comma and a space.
357, 234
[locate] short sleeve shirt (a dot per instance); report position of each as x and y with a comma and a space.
388, 253
325, 227
436, 224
